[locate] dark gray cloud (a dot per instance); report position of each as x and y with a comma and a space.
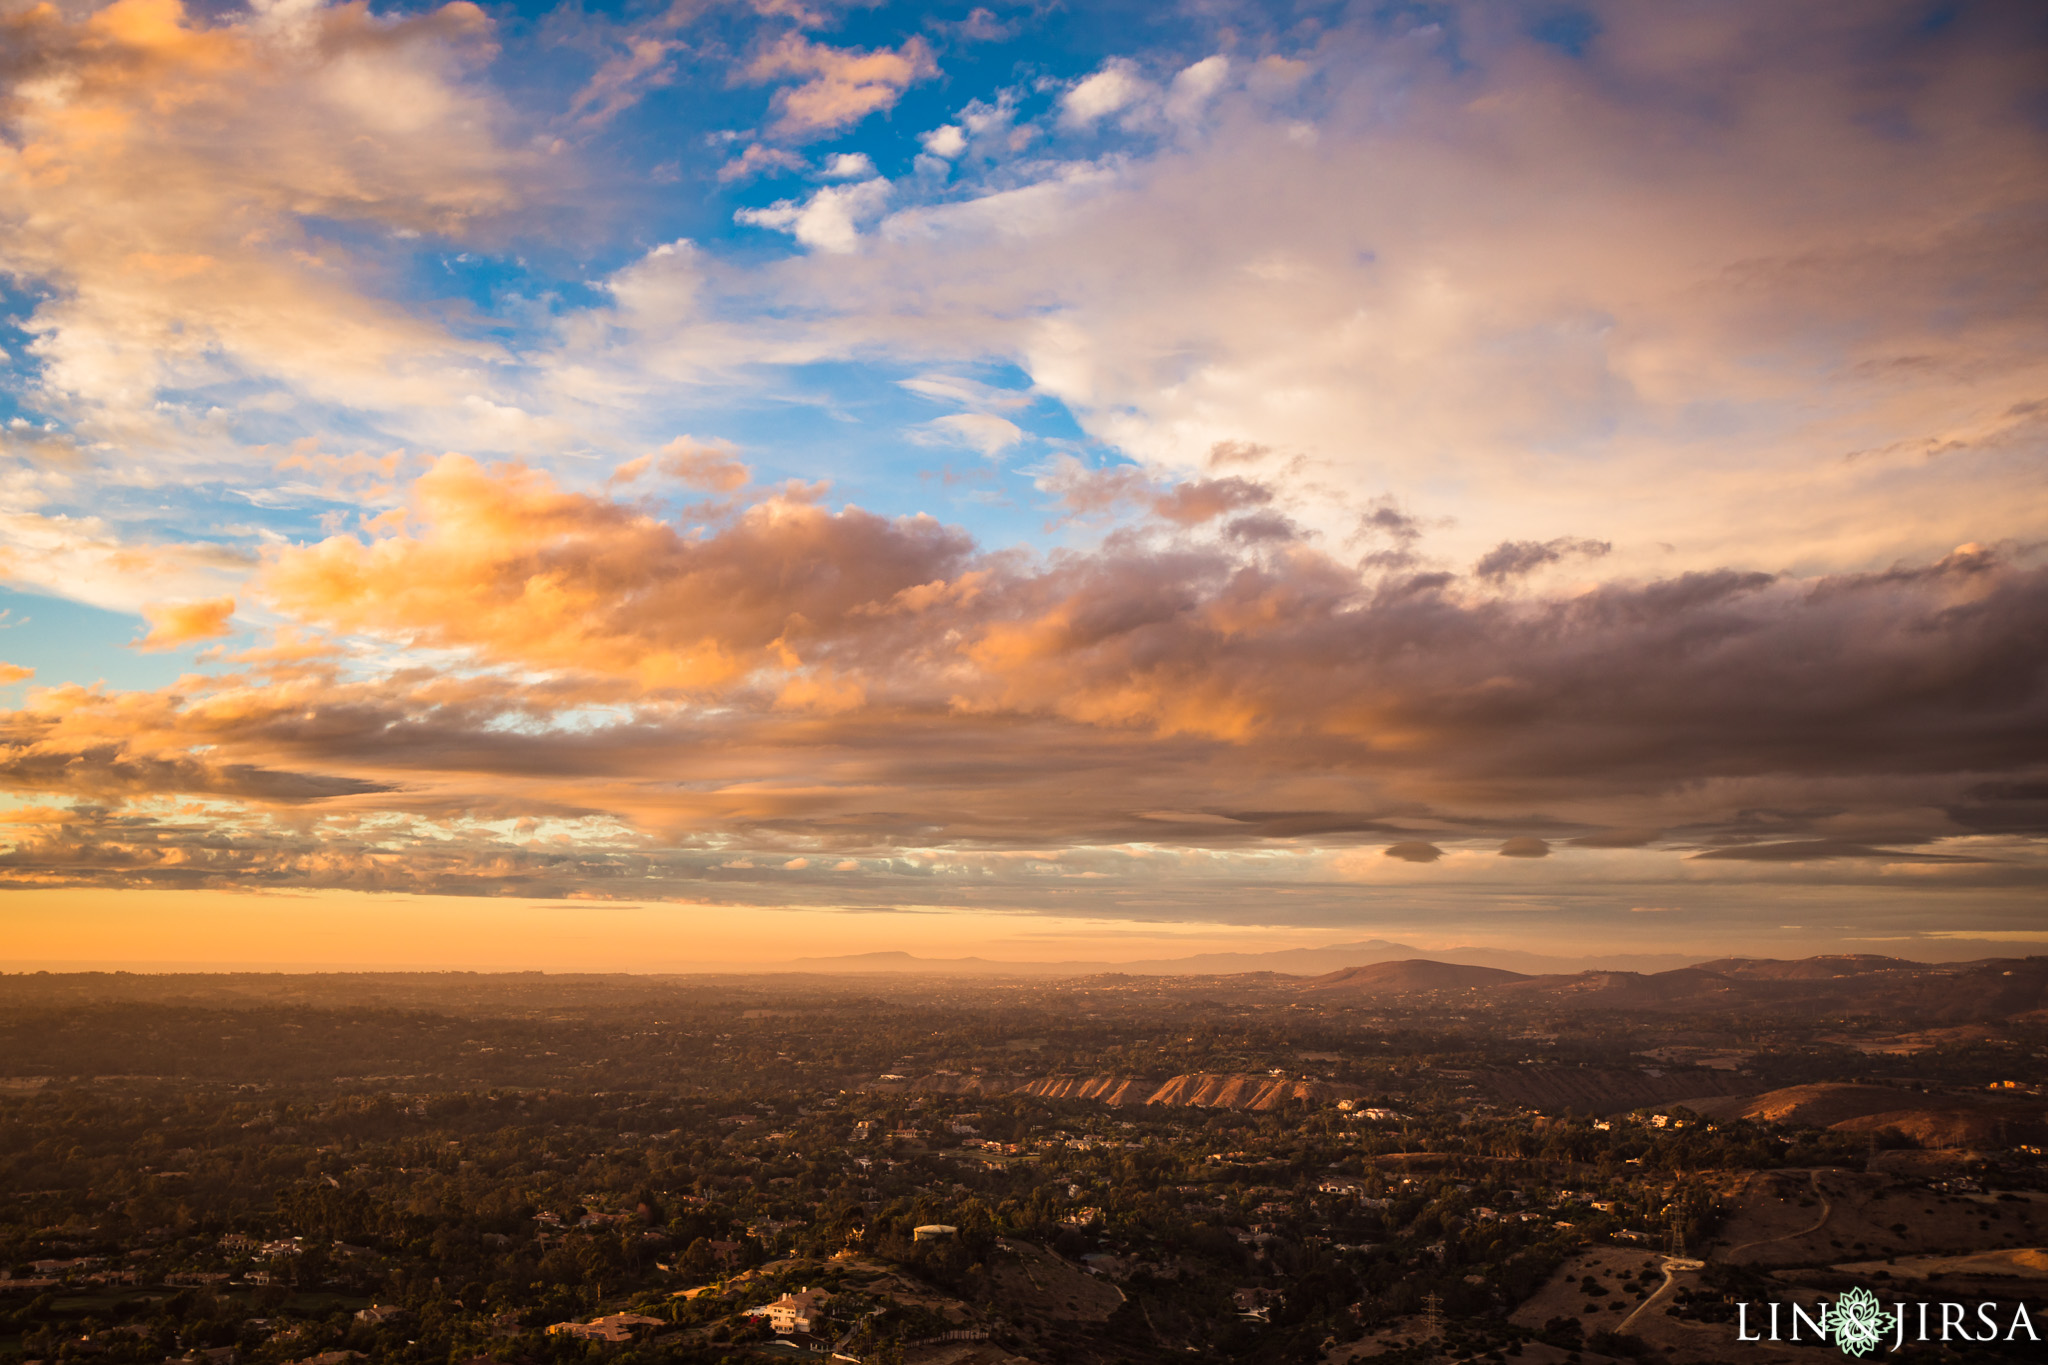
1513, 558
104, 770
1821, 850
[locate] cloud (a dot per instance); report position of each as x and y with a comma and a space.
1237, 452
624, 78
829, 221
196, 196
1526, 379
712, 466
85, 559
1647, 687
1816, 850
14, 673
708, 465
1618, 838
849, 166
1085, 491
789, 681
945, 141
1200, 500
982, 431
947, 388
980, 26
174, 624
1194, 86
1116, 86
1524, 846
760, 159
845, 85
1514, 558
509, 564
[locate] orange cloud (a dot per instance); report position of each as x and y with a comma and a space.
14, 673
845, 85
173, 624
37, 815
511, 565
709, 466
1084, 492
844, 612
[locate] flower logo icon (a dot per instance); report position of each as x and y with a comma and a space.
1857, 1322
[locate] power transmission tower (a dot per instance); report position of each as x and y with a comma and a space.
1432, 1316
1677, 1242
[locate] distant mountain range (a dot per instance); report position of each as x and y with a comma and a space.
1860, 983
2001, 988
1336, 957
1290, 961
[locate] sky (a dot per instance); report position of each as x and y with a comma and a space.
625, 486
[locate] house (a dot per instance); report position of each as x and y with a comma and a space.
802, 1311
378, 1314
933, 1232
1254, 1304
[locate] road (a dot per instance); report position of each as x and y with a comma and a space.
1826, 1208
1673, 1264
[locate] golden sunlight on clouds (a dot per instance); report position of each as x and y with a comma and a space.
800, 681
181, 623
